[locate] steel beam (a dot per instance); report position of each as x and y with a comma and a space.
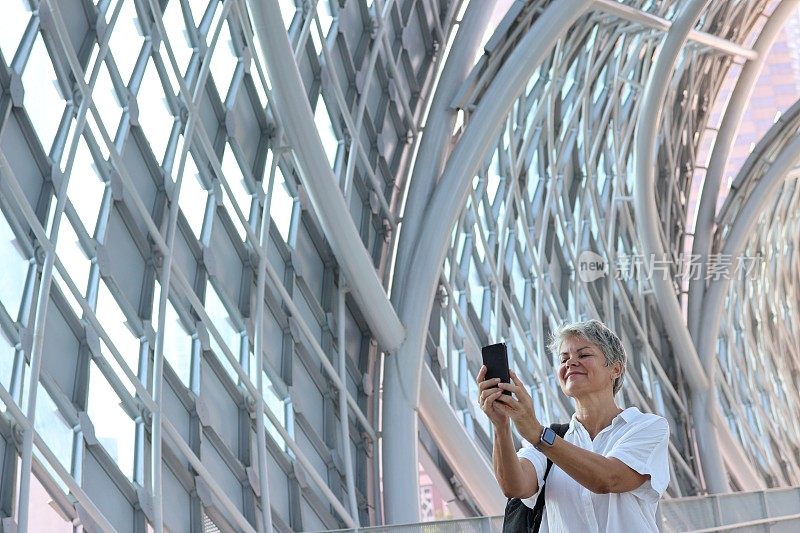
317, 176
649, 20
403, 372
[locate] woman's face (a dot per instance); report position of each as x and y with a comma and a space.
582, 369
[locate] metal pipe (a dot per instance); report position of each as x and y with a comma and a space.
343, 415
156, 466
321, 185
258, 347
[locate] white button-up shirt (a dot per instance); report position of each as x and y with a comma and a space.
640, 440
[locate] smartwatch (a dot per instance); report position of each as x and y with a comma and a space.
548, 437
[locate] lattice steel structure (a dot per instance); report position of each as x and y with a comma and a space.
246, 243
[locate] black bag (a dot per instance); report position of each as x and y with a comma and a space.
519, 518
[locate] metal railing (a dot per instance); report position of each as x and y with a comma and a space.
766, 510
772, 510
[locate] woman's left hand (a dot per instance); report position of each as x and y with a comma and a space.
519, 409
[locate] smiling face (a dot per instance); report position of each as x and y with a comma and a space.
582, 369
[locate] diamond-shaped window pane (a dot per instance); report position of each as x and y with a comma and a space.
193, 197
198, 9
177, 342
43, 100
223, 61
86, 187
112, 426
107, 101
155, 116
16, 15
281, 206
178, 34
126, 40
330, 142
7, 355
221, 319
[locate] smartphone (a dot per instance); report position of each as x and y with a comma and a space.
495, 357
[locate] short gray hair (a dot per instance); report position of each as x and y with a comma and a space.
597, 333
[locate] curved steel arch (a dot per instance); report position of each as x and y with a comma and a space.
758, 184
403, 372
648, 222
723, 143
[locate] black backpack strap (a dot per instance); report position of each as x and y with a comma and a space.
538, 509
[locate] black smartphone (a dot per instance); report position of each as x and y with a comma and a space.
495, 357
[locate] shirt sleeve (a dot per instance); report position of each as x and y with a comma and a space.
539, 462
646, 449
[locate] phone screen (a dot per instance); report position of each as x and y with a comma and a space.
495, 357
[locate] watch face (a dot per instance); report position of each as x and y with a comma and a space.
549, 436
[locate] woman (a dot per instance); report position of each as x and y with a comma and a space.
610, 469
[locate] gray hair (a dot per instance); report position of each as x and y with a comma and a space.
597, 333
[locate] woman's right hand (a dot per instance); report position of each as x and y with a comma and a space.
488, 392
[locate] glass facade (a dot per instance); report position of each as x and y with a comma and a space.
184, 346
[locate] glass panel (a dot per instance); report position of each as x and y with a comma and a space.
278, 408
107, 101
43, 100
325, 128
177, 342
86, 187
112, 426
54, 430
177, 34
235, 178
223, 60
281, 206
193, 197
288, 11
198, 9
112, 362
16, 15
71, 253
113, 321
15, 270
7, 356
221, 320
126, 40
155, 116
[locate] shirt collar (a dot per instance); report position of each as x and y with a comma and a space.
627, 415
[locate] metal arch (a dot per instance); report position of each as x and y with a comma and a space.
736, 237
434, 144
325, 195
721, 152
402, 379
647, 224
